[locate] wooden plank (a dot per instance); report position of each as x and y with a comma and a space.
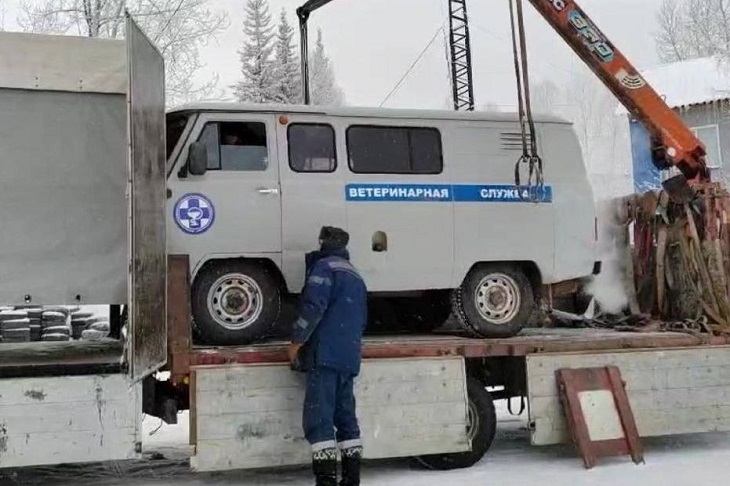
530, 341
68, 420
242, 400
645, 359
670, 391
257, 377
251, 416
258, 452
179, 329
71, 389
82, 416
282, 422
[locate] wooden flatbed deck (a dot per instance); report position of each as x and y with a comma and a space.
530, 341
60, 358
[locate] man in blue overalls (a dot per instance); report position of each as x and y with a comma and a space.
326, 343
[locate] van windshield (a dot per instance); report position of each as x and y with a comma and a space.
175, 126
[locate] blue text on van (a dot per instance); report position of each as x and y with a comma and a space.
446, 193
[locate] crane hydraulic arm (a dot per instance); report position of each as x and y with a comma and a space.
674, 142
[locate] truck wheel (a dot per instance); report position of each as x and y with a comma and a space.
481, 427
495, 301
234, 302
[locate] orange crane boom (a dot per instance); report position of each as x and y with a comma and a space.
674, 142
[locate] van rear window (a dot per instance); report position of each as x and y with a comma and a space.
394, 150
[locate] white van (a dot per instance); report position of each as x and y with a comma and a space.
428, 198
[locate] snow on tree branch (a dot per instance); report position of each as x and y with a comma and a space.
324, 88
270, 70
257, 67
693, 28
179, 28
288, 83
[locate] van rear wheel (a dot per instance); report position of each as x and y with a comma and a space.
235, 302
495, 301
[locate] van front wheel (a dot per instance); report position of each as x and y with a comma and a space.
234, 302
495, 301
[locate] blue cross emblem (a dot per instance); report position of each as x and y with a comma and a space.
194, 213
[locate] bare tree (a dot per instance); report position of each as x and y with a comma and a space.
179, 28
693, 28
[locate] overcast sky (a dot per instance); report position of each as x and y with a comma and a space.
372, 43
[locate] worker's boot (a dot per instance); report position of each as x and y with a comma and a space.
324, 466
351, 466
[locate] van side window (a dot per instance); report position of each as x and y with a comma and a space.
236, 146
312, 147
394, 150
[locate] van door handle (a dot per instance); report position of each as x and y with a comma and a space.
263, 190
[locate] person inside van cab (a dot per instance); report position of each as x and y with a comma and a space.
326, 344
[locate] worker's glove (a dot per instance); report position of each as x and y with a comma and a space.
295, 361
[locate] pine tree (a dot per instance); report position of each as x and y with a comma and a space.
324, 88
287, 87
257, 67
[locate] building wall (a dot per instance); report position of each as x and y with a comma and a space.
704, 118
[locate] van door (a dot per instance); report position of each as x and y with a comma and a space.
234, 209
311, 185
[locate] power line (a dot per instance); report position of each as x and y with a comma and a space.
413, 65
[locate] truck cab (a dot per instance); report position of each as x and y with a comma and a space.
437, 225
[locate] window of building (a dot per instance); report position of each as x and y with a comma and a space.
312, 148
236, 146
710, 136
394, 150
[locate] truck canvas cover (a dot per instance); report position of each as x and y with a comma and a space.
82, 144
63, 137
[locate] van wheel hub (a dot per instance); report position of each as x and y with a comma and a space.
235, 301
498, 298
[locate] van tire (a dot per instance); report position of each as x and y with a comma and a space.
506, 316
482, 429
234, 302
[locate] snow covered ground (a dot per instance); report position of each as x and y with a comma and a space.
688, 460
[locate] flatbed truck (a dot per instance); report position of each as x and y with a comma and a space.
420, 396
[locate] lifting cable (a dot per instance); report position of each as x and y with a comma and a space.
530, 157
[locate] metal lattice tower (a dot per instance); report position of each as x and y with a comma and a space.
461, 72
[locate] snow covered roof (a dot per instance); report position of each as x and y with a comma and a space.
691, 82
363, 112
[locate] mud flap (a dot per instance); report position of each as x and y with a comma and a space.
147, 203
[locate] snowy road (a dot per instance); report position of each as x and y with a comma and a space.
691, 461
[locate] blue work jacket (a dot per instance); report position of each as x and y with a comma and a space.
332, 313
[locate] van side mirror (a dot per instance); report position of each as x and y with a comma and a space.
197, 159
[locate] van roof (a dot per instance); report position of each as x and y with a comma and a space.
362, 112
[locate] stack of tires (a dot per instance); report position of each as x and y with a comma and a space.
14, 326
52, 324
55, 325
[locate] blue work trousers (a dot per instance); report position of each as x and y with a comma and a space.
330, 418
